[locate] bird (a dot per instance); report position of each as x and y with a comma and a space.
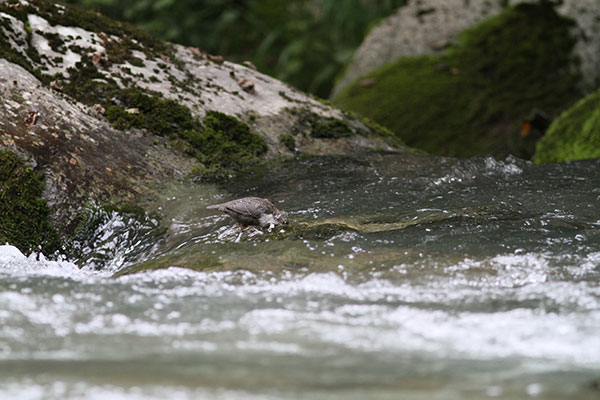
253, 211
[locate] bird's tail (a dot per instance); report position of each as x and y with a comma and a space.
214, 207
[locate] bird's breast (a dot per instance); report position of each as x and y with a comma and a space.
267, 219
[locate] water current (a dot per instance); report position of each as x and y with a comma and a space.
400, 277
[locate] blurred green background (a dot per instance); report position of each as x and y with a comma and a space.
305, 43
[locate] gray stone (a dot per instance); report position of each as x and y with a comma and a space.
428, 26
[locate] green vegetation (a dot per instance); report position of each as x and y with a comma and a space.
330, 129
288, 141
303, 42
472, 99
319, 126
225, 146
23, 214
185, 259
574, 135
163, 117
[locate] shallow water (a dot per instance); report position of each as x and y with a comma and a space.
400, 277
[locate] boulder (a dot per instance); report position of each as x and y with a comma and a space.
430, 26
477, 95
106, 112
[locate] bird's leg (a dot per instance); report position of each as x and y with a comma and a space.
255, 231
237, 240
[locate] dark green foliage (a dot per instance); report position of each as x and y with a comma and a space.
225, 146
303, 42
574, 135
288, 141
472, 100
23, 214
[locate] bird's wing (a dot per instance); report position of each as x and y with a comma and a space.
251, 207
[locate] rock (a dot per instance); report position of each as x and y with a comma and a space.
247, 85
430, 26
249, 64
472, 98
574, 135
133, 111
98, 109
215, 59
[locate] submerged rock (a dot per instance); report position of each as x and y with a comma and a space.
106, 112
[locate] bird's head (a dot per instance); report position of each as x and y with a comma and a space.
282, 218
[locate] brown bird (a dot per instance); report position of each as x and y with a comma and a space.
253, 211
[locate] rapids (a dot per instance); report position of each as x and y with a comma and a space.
399, 277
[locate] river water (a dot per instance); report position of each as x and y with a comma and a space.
400, 277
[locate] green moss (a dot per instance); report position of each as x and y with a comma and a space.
472, 99
67, 15
9, 53
318, 126
122, 119
574, 135
163, 117
313, 232
55, 41
377, 130
193, 262
288, 141
23, 214
330, 129
225, 146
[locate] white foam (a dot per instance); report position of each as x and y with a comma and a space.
14, 262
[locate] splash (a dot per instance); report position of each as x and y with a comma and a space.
13, 262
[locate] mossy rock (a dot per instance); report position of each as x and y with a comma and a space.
225, 146
23, 214
288, 141
473, 98
574, 135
